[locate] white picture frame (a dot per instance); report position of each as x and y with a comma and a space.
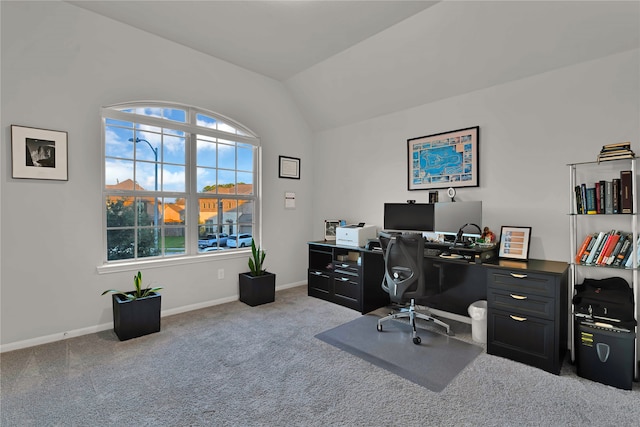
39, 153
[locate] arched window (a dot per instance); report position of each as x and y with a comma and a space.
178, 181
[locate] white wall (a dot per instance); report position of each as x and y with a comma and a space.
529, 130
60, 64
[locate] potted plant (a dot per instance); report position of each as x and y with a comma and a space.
137, 312
257, 286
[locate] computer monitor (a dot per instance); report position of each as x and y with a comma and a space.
408, 217
451, 216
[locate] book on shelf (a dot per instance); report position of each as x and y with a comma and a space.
616, 249
579, 202
608, 197
607, 248
591, 201
583, 247
624, 250
596, 246
615, 198
629, 257
626, 202
598, 197
587, 251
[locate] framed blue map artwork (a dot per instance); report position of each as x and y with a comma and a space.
443, 160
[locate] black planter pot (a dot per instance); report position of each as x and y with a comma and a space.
135, 318
257, 290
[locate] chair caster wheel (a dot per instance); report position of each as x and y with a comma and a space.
417, 340
379, 328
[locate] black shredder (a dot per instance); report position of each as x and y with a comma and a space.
605, 355
604, 331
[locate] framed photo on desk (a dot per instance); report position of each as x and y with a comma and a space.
514, 242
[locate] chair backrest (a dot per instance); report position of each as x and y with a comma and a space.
403, 258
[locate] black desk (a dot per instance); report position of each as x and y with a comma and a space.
527, 300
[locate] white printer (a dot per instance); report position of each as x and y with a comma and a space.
355, 235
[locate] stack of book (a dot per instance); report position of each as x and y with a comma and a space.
621, 150
606, 196
607, 248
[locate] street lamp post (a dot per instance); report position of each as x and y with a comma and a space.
155, 207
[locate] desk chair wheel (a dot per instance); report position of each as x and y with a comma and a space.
417, 340
379, 327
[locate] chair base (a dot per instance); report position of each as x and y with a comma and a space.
413, 314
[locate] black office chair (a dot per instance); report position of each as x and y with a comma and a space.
404, 278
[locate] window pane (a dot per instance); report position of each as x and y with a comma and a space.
206, 152
226, 156
245, 185
147, 147
245, 158
174, 150
175, 115
146, 176
206, 180
227, 128
147, 213
118, 174
205, 121
109, 121
120, 244
174, 241
173, 211
173, 178
148, 242
227, 179
208, 215
120, 211
117, 143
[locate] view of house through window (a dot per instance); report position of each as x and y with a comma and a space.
178, 181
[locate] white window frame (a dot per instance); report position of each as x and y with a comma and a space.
192, 195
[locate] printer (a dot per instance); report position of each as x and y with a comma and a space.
356, 235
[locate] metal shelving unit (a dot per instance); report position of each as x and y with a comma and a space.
583, 224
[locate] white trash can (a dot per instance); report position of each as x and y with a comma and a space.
478, 313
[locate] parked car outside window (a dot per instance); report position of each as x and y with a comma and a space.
219, 240
239, 241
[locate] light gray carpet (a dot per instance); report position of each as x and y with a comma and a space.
235, 365
432, 364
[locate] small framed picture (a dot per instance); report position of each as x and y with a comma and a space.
330, 226
289, 167
514, 242
38, 153
433, 197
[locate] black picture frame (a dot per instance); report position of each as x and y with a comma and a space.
289, 167
39, 153
444, 160
515, 242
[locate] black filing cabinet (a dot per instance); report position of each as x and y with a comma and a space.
347, 276
527, 313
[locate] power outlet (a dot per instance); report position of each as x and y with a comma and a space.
221, 273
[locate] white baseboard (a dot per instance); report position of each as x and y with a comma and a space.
60, 336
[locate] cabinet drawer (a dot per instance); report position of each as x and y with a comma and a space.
524, 339
342, 267
346, 286
522, 282
521, 304
318, 282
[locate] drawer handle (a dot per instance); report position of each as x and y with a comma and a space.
518, 276
518, 318
344, 265
344, 279
518, 296
317, 273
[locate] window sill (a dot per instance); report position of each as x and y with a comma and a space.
118, 267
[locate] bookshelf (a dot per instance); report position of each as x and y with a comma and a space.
595, 212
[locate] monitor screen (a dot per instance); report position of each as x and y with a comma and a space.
451, 216
408, 216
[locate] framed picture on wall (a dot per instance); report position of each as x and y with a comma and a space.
444, 160
289, 167
330, 226
38, 153
514, 242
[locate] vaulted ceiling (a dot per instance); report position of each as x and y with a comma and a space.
347, 61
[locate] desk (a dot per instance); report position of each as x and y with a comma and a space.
527, 301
